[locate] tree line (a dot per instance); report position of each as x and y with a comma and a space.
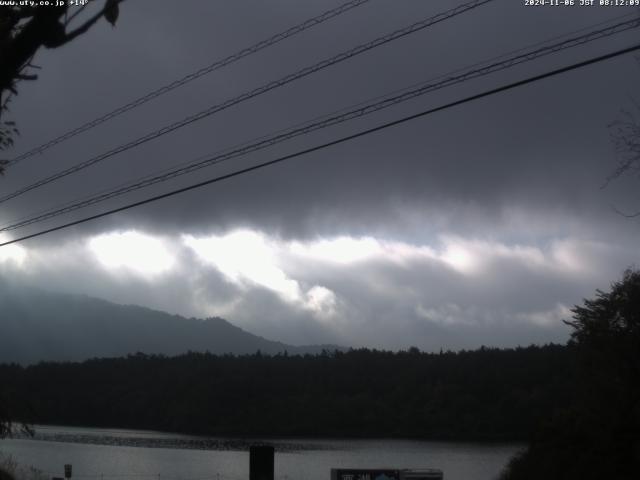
485, 394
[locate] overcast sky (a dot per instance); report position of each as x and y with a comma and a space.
481, 224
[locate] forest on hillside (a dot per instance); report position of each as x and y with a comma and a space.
485, 394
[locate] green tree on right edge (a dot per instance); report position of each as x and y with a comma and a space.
598, 435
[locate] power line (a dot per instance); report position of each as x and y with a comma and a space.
335, 142
325, 122
344, 109
341, 57
324, 116
312, 22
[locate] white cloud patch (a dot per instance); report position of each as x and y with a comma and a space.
547, 318
248, 259
133, 252
477, 257
245, 258
448, 315
462, 255
342, 250
460, 258
322, 302
14, 254
349, 250
454, 315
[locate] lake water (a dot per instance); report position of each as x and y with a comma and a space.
108, 454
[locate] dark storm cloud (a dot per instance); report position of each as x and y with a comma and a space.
524, 168
529, 146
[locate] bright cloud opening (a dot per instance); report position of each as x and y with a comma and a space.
460, 258
547, 318
13, 253
322, 302
339, 250
349, 250
245, 257
132, 251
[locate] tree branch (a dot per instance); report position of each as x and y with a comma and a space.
91, 21
626, 215
78, 12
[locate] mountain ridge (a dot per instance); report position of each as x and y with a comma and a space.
39, 325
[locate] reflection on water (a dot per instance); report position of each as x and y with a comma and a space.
148, 439
109, 454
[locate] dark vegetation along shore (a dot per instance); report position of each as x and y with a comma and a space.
487, 394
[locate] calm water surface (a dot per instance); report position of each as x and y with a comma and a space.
108, 454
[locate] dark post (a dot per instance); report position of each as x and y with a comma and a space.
261, 462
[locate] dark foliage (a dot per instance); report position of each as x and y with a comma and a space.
597, 433
487, 394
625, 134
15, 412
24, 29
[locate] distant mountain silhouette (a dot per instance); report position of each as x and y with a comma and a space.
37, 325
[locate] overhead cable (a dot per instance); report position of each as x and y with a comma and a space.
325, 122
312, 22
344, 139
341, 57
